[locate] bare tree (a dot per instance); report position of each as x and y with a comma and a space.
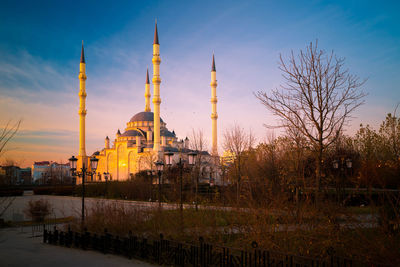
7, 133
317, 98
199, 143
238, 141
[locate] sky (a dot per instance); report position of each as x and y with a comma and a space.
40, 43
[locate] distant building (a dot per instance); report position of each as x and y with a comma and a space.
15, 175
38, 169
25, 175
10, 174
44, 172
228, 158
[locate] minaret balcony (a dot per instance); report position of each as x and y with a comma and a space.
156, 80
156, 100
156, 59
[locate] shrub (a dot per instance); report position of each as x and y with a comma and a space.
11, 192
37, 210
54, 190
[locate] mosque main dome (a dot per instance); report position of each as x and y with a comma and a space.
144, 116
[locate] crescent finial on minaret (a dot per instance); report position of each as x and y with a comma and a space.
213, 64
156, 35
82, 54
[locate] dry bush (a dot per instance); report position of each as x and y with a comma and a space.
117, 217
304, 229
278, 224
37, 210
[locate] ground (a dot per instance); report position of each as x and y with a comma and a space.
19, 248
63, 206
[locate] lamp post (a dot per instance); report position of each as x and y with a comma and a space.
82, 173
343, 165
106, 174
168, 161
192, 161
159, 166
150, 174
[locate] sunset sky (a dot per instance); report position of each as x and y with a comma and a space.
40, 44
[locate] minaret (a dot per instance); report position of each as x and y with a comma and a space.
156, 90
107, 143
214, 115
82, 158
147, 94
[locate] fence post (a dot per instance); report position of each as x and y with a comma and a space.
160, 248
76, 239
144, 248
130, 245
254, 245
55, 239
201, 256
86, 239
106, 238
44, 235
69, 237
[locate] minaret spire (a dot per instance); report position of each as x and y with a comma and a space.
214, 115
147, 76
82, 158
82, 54
156, 35
213, 64
147, 94
156, 90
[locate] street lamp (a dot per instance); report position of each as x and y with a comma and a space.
82, 173
159, 166
168, 158
106, 175
192, 158
192, 161
349, 163
150, 174
343, 165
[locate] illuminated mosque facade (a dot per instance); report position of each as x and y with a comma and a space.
146, 137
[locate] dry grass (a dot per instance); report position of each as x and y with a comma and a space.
280, 226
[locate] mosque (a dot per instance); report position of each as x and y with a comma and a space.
146, 137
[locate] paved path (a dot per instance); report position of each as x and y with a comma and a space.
65, 206
18, 248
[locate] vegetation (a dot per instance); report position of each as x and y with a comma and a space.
316, 100
37, 210
7, 132
64, 190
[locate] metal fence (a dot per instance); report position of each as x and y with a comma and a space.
40, 228
172, 253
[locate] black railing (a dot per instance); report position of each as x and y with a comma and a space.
40, 228
172, 253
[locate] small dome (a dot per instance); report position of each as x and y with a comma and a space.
144, 116
166, 133
132, 133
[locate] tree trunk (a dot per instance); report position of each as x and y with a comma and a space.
318, 175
